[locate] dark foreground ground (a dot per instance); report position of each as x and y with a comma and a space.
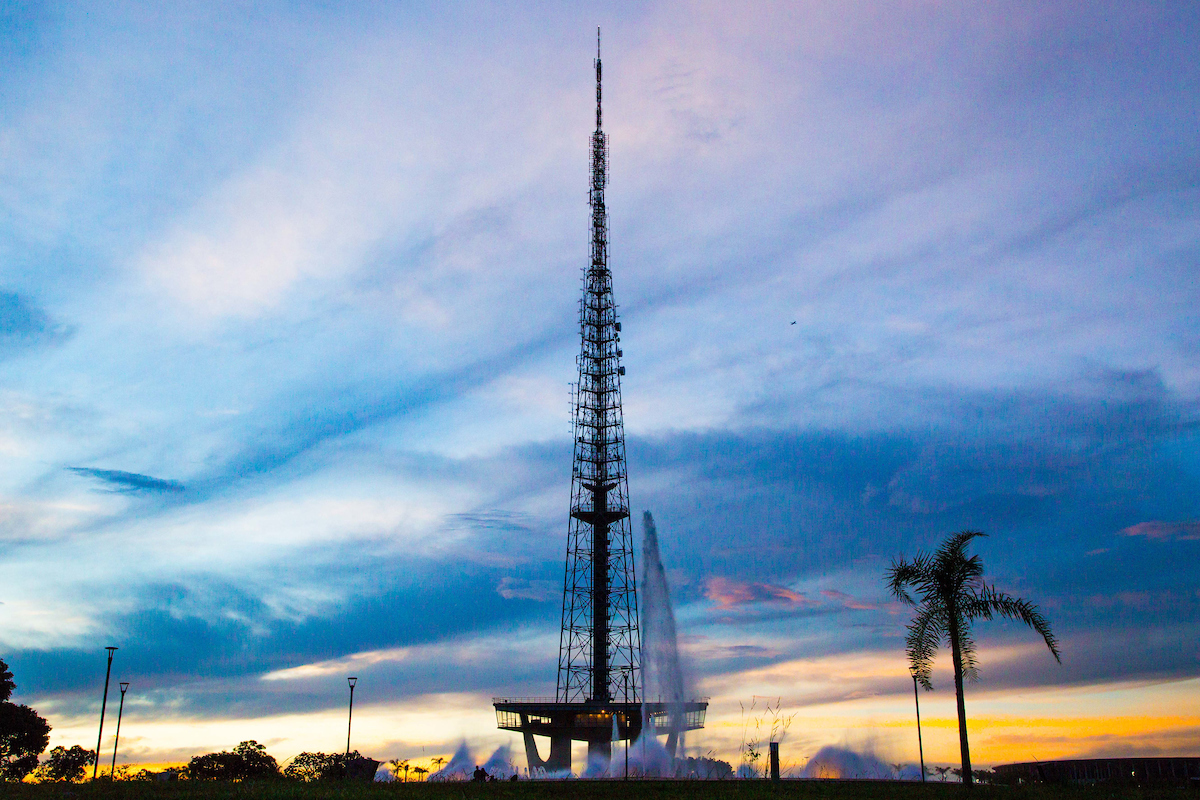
586, 790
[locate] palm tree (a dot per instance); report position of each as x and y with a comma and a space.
952, 594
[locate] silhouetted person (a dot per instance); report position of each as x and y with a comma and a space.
514, 777
480, 775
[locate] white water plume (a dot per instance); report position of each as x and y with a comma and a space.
662, 676
459, 768
838, 762
500, 765
462, 764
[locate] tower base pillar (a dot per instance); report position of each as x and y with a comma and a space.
560, 753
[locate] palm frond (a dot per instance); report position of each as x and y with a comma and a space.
972, 569
991, 601
924, 635
904, 574
955, 547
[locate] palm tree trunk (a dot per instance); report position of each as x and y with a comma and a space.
967, 777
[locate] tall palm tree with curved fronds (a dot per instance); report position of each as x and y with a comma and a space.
950, 595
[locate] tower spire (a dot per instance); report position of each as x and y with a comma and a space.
598, 114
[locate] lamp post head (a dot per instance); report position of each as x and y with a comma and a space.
352, 681
124, 686
110, 649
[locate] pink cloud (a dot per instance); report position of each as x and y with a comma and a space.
1165, 531
848, 600
727, 593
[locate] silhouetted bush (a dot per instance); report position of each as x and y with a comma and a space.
249, 760
309, 767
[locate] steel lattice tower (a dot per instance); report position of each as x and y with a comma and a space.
599, 697
600, 646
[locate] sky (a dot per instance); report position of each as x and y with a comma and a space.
287, 328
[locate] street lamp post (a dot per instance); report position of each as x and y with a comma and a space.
627, 726
116, 741
920, 745
103, 703
350, 717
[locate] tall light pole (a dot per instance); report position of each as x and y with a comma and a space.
627, 726
920, 746
103, 703
350, 717
116, 741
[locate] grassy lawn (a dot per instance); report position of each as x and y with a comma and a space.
536, 790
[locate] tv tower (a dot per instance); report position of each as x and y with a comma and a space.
599, 693
599, 647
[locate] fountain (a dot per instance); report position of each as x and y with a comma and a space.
662, 675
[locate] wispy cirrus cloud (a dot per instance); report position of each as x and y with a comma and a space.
543, 591
129, 482
1165, 531
848, 600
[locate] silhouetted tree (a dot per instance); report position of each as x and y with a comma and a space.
6, 682
256, 761
399, 765
310, 767
65, 765
249, 760
951, 594
23, 737
23, 734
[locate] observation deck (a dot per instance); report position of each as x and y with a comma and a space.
597, 723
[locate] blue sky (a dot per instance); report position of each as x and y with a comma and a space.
287, 298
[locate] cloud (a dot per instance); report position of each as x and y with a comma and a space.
1165, 531
23, 324
728, 593
542, 591
849, 601
129, 482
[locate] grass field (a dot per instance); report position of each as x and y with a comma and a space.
586, 790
